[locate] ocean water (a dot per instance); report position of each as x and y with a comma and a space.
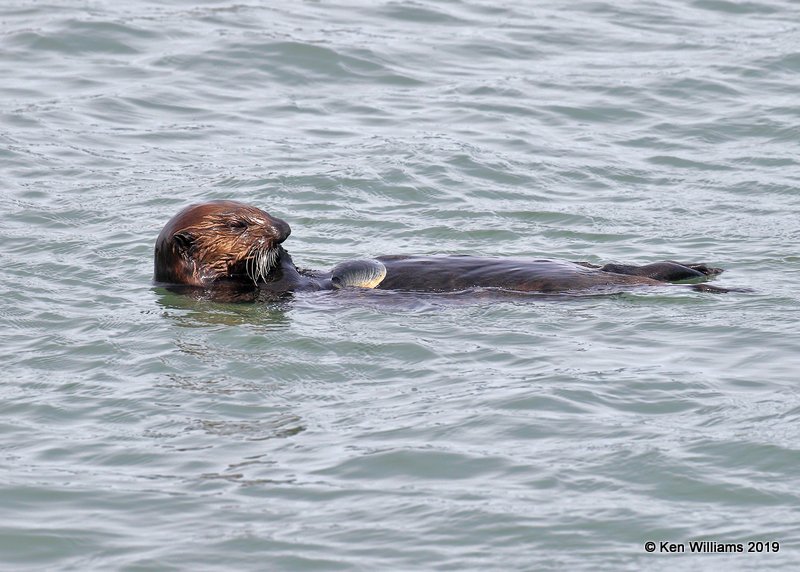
140, 430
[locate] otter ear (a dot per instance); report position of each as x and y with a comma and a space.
183, 239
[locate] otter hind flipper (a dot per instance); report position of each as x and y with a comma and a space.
359, 273
668, 271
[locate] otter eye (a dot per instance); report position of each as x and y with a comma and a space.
237, 225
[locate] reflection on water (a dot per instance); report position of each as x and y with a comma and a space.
192, 308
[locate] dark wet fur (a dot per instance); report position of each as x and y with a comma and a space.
215, 242
452, 273
214, 249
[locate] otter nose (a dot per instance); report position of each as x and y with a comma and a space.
281, 229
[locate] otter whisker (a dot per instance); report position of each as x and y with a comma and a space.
254, 270
255, 266
264, 263
259, 263
250, 266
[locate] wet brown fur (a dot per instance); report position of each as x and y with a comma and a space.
229, 247
212, 242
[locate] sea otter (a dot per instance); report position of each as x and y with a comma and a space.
235, 249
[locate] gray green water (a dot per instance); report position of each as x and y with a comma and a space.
143, 431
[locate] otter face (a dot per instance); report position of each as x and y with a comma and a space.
219, 240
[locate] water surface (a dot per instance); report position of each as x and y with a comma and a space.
337, 431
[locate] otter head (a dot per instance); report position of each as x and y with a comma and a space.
218, 241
